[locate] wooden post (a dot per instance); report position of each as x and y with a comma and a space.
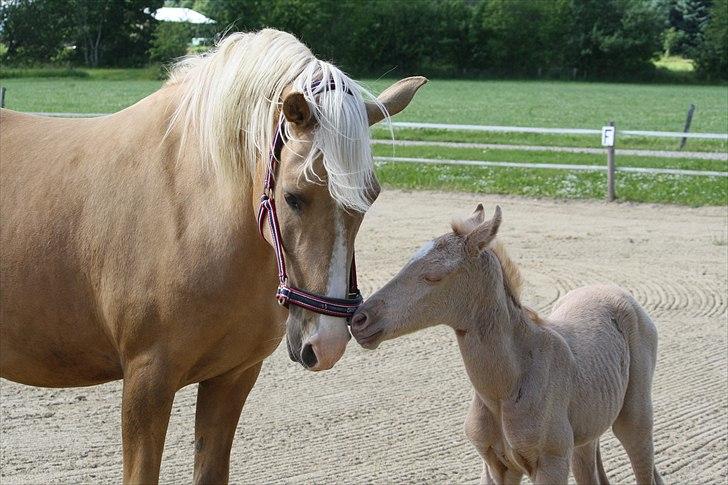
689, 120
2, 96
611, 165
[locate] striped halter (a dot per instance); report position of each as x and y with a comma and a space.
287, 294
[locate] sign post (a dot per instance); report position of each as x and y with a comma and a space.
609, 135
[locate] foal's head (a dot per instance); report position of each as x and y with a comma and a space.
441, 284
324, 185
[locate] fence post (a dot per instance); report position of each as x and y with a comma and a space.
609, 137
2, 96
689, 120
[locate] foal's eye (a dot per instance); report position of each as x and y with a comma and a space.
293, 202
433, 278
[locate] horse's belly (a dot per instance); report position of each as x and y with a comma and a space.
30, 355
49, 333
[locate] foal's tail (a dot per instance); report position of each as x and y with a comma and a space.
603, 480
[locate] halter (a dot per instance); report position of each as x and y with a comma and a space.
287, 294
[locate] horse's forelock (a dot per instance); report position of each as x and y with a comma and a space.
230, 100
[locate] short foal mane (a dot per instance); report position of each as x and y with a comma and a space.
231, 98
512, 279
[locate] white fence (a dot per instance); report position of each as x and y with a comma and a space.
555, 131
610, 151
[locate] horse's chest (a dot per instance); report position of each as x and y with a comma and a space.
516, 440
515, 459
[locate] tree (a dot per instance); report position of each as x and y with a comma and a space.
122, 28
712, 54
687, 20
521, 37
26, 43
169, 41
102, 32
615, 38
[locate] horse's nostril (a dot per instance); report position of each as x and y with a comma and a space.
359, 320
308, 356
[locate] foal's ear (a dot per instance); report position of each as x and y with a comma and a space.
296, 109
463, 227
395, 98
482, 235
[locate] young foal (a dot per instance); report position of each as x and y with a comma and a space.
545, 389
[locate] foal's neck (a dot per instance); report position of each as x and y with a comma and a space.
496, 346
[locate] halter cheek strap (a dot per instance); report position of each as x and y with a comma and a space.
286, 294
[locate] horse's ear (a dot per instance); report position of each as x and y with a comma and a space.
395, 98
296, 109
463, 227
482, 235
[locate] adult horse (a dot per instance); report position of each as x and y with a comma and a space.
130, 249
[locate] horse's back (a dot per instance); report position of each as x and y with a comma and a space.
51, 331
590, 309
614, 343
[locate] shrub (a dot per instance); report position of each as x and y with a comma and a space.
712, 58
169, 41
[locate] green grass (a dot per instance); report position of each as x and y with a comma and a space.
499, 155
22, 72
693, 191
583, 141
568, 104
675, 64
517, 103
75, 95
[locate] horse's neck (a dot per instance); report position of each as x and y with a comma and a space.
155, 112
227, 204
495, 348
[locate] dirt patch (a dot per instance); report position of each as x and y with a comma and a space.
395, 415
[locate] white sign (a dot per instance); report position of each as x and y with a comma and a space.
607, 136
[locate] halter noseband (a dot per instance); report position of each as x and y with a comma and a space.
287, 294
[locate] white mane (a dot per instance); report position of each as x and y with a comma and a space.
231, 98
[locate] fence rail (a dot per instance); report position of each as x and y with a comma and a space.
554, 131
610, 167
554, 166
489, 128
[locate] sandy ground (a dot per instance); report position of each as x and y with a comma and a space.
395, 415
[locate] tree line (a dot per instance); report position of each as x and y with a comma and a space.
581, 39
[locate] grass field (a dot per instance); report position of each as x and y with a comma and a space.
517, 103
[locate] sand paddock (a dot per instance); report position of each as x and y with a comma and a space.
396, 414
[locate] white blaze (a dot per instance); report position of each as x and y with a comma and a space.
338, 285
331, 335
422, 252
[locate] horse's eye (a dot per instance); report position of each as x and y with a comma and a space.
293, 202
432, 277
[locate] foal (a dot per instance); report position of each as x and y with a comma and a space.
545, 389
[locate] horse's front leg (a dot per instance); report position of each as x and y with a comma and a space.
553, 469
145, 408
219, 403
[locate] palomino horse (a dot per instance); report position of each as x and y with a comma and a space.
130, 246
545, 389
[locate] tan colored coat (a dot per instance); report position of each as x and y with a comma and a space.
545, 389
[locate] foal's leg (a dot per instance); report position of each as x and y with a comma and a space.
479, 428
219, 402
145, 407
552, 470
633, 428
584, 464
